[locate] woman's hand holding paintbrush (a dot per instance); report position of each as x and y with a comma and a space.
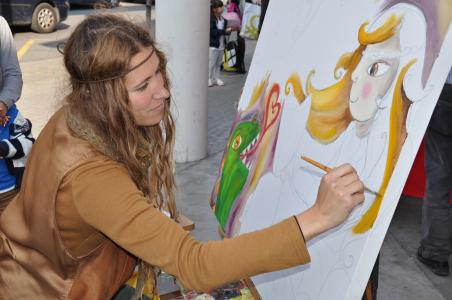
328, 169
339, 192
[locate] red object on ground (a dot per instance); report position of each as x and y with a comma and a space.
415, 184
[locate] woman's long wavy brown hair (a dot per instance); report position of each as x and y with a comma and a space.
97, 56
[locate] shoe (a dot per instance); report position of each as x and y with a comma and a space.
440, 268
219, 82
209, 83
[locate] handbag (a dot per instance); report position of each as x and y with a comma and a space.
250, 22
233, 20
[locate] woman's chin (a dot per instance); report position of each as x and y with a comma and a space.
149, 122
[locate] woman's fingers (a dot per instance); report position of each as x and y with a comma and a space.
348, 179
356, 190
358, 198
342, 170
355, 186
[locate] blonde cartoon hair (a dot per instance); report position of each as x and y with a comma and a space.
329, 115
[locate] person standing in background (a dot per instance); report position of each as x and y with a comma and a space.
15, 131
11, 75
435, 246
218, 29
264, 5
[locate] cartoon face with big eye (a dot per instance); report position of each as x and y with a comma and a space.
373, 77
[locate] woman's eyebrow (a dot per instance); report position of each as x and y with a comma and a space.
143, 81
149, 77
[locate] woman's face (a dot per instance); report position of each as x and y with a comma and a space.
147, 92
373, 77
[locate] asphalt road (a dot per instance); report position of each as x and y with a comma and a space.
33, 46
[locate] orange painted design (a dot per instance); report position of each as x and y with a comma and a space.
258, 91
295, 81
383, 33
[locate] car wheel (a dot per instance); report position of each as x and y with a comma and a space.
44, 18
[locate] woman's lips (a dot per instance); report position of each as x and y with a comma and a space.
158, 107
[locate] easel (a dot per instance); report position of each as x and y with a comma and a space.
185, 222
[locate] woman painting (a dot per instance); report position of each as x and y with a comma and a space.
106, 158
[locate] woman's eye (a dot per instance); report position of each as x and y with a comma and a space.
378, 69
142, 88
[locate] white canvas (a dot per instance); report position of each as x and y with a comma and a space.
294, 88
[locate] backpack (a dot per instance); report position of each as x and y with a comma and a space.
230, 57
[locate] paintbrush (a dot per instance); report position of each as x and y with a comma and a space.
328, 169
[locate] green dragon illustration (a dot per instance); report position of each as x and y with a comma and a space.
235, 171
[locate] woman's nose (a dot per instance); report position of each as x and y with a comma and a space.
162, 93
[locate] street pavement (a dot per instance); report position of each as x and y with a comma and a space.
401, 275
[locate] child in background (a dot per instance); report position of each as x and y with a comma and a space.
15, 145
218, 29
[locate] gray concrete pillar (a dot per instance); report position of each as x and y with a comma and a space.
182, 31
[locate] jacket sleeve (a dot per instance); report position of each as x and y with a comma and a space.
107, 199
216, 33
11, 75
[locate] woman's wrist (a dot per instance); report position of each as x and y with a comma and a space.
312, 223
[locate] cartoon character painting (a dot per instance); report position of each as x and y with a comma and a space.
368, 114
371, 113
249, 153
